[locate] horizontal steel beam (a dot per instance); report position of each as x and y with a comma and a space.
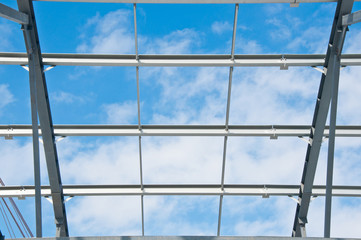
351, 18
184, 189
13, 15
262, 60
272, 131
194, 1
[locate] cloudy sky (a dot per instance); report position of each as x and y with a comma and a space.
176, 95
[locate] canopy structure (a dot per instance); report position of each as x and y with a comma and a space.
329, 64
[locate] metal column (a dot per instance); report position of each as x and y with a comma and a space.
331, 72
36, 74
227, 119
36, 155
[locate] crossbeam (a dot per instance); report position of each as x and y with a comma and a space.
13, 15
177, 189
351, 18
261, 60
272, 131
194, 1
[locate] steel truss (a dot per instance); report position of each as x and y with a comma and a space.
331, 62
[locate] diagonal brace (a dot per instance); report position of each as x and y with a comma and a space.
36, 73
332, 64
13, 15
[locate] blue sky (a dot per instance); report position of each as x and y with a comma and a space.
107, 95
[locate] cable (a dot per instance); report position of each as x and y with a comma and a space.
6, 220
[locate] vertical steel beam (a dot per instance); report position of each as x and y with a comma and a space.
227, 118
331, 67
331, 140
139, 123
36, 155
36, 73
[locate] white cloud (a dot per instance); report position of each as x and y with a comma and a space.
221, 27
177, 42
7, 32
6, 97
66, 97
282, 32
112, 34
17, 159
247, 46
121, 113
109, 216
312, 39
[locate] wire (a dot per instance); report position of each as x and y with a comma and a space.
6, 220
19, 215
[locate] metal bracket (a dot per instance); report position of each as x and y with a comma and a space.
60, 139
284, 66
25, 67
49, 68
324, 70
265, 192
68, 199
49, 199
309, 140
274, 136
294, 3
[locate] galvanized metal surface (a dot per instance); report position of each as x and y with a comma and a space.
261, 60
264, 190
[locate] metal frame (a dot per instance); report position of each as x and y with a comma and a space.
263, 190
271, 131
317, 132
37, 77
262, 60
328, 81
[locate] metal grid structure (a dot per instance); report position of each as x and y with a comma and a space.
329, 64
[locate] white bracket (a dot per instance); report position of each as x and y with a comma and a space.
49, 68
324, 70
45, 70
49, 199
308, 141
56, 140
25, 67
294, 199
68, 198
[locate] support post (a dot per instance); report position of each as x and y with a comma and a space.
36, 155
332, 134
227, 118
36, 74
332, 64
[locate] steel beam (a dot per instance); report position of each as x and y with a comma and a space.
261, 60
194, 1
332, 64
36, 154
36, 70
13, 15
272, 131
227, 117
351, 18
262, 190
